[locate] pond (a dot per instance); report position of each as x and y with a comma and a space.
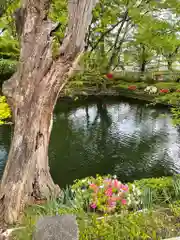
127, 139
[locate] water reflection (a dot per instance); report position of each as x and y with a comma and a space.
129, 140
126, 139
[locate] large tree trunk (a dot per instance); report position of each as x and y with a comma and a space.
32, 93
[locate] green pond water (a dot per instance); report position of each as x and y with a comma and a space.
124, 138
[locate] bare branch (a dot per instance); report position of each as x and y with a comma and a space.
104, 34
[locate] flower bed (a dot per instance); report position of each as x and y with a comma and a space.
106, 194
157, 221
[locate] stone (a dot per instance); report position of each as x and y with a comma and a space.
63, 227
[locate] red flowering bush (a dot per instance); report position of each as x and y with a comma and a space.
164, 90
109, 75
105, 194
133, 87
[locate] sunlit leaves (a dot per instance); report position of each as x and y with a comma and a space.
59, 13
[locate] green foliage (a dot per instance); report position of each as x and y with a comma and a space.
7, 68
9, 44
168, 85
106, 194
175, 207
158, 39
170, 98
143, 225
156, 223
9, 47
140, 226
59, 13
5, 112
176, 114
129, 77
158, 191
55, 48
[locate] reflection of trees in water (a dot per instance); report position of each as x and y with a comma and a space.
76, 147
79, 149
87, 116
100, 124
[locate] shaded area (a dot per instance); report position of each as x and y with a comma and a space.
5, 140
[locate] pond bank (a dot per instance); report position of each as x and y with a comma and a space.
114, 93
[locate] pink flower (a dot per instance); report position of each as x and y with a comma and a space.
108, 182
111, 203
116, 183
109, 192
124, 201
93, 205
124, 188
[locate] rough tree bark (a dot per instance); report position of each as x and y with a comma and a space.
32, 93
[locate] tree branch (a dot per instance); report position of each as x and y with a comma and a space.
79, 20
117, 39
104, 34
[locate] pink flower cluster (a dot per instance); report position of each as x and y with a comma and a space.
109, 193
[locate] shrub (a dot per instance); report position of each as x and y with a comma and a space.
133, 87
171, 98
141, 85
149, 80
137, 226
164, 90
7, 68
5, 111
109, 75
127, 77
169, 85
105, 194
122, 85
159, 190
151, 89
175, 115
